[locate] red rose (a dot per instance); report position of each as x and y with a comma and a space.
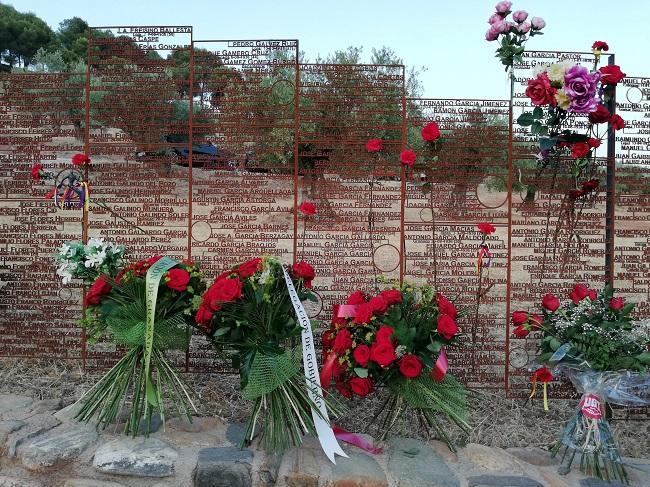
540, 91
343, 388
203, 316
580, 149
430, 132
600, 46
392, 296
247, 269
576, 193
374, 145
307, 208
617, 122
378, 304
327, 339
224, 291
364, 314
578, 293
80, 159
446, 307
384, 333
616, 303
600, 115
543, 375
519, 317
342, 342
407, 157
100, 288
152, 260
550, 302
447, 327
486, 228
36, 171
383, 353
361, 354
361, 386
611, 74
590, 185
593, 143
520, 331
302, 270
357, 297
177, 279
592, 294
410, 366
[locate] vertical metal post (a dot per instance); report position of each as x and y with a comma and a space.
402, 237
610, 205
85, 219
296, 168
190, 137
506, 375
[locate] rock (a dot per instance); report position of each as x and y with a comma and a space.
235, 433
9, 426
300, 467
68, 413
47, 405
359, 470
491, 458
140, 457
267, 470
412, 463
6, 481
12, 404
595, 482
198, 425
441, 448
79, 482
58, 446
223, 467
534, 456
501, 481
34, 426
156, 423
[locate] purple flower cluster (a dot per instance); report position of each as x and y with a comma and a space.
499, 24
581, 87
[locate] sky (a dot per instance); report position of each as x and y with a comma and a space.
444, 37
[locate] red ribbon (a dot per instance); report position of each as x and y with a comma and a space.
354, 439
327, 371
442, 365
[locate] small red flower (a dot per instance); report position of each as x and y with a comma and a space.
542, 375
307, 208
379, 304
361, 354
599, 115
550, 302
247, 269
80, 159
520, 331
361, 386
407, 157
357, 297
600, 46
36, 171
410, 366
576, 193
617, 122
392, 296
446, 327
302, 270
177, 279
430, 132
342, 342
365, 312
519, 317
374, 145
616, 303
580, 150
611, 74
486, 228
593, 142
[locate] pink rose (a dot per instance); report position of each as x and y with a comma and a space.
491, 35
519, 16
537, 23
503, 7
494, 18
523, 28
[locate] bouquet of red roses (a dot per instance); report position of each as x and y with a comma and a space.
250, 313
396, 339
146, 307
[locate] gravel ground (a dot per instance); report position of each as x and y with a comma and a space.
495, 421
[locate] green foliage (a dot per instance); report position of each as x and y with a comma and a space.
21, 36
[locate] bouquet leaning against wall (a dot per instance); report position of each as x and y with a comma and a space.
145, 307
397, 340
251, 314
593, 341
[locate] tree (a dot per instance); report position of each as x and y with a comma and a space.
21, 36
72, 37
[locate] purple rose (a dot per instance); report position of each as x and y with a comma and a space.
502, 27
580, 87
519, 16
491, 35
523, 28
537, 23
494, 18
503, 7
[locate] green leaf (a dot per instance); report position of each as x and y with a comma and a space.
434, 347
525, 119
644, 358
361, 372
152, 393
535, 128
538, 113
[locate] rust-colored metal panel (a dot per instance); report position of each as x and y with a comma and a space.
40, 119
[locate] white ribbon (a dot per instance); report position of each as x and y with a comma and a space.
323, 429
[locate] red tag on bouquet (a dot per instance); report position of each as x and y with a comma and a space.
591, 406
